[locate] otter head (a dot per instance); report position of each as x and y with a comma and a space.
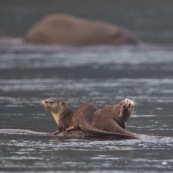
56, 107
126, 109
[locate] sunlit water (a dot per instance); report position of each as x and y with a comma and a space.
101, 75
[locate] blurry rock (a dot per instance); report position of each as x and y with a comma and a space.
68, 30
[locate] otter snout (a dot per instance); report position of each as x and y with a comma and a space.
130, 103
48, 101
45, 103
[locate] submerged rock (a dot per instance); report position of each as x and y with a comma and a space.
69, 30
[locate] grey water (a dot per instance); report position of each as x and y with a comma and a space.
101, 75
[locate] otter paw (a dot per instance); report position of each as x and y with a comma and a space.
56, 132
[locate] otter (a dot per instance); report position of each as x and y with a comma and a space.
60, 111
113, 118
108, 121
120, 112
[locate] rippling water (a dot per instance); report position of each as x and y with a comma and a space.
101, 75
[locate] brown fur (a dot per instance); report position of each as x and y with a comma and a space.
108, 121
61, 112
113, 118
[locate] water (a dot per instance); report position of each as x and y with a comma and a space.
101, 75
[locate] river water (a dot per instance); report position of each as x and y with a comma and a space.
101, 75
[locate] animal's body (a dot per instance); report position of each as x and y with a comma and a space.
108, 121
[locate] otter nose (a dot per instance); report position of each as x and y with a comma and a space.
44, 101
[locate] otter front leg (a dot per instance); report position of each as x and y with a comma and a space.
71, 128
60, 129
56, 132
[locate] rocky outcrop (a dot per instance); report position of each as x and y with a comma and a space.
68, 30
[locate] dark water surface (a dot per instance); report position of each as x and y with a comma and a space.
101, 75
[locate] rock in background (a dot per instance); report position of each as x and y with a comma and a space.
64, 29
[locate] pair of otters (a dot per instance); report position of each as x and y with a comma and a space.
108, 121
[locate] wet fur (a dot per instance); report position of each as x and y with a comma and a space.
101, 122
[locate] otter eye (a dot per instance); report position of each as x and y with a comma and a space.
61, 103
51, 102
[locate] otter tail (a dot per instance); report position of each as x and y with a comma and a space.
95, 131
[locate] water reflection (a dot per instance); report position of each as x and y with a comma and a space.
66, 154
100, 75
